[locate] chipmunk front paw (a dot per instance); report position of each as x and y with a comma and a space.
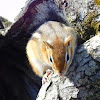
46, 75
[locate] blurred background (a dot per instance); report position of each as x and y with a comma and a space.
10, 8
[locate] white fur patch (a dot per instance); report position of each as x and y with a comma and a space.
37, 35
41, 66
50, 42
66, 38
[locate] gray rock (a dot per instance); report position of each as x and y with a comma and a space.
84, 61
80, 7
95, 47
81, 49
64, 89
98, 73
95, 78
92, 63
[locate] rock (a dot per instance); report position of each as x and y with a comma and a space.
81, 8
95, 78
92, 47
92, 63
95, 48
98, 73
4, 25
56, 88
84, 61
1, 25
81, 49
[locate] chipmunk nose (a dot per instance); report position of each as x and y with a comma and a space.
61, 73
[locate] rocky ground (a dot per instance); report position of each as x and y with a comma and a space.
81, 8
6, 24
84, 16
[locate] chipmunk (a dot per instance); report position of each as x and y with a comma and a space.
52, 46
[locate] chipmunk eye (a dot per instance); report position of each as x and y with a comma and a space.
67, 57
51, 60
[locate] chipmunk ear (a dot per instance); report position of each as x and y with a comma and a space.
67, 40
47, 44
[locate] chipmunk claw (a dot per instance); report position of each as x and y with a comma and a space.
46, 75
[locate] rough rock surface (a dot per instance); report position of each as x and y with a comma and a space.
80, 8
83, 77
86, 73
57, 88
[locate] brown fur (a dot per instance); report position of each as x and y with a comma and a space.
59, 54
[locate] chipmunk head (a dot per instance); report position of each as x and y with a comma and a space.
59, 54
